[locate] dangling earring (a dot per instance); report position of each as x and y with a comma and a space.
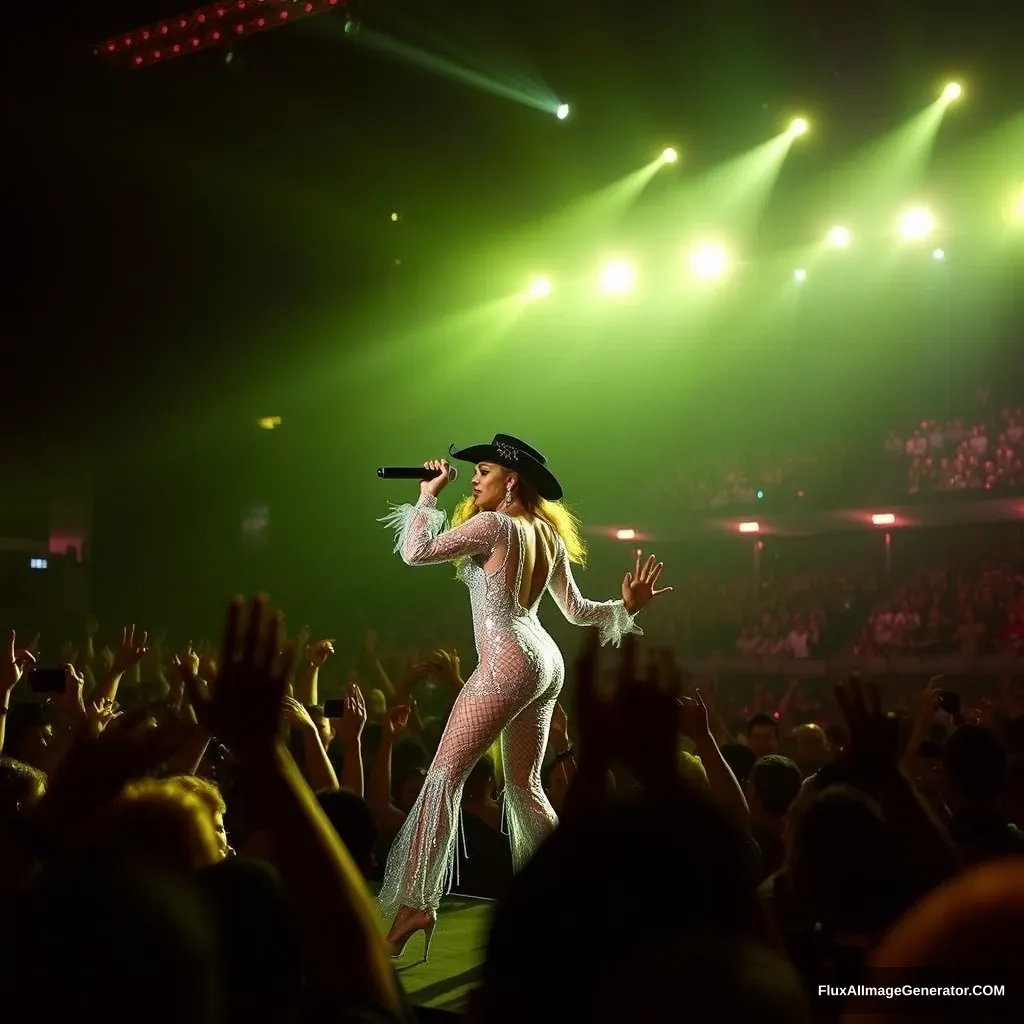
508, 496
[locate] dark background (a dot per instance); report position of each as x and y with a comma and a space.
195, 245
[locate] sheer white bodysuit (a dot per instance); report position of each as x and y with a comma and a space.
511, 693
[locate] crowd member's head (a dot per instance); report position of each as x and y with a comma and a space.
763, 735
972, 925
692, 769
209, 796
376, 706
352, 819
847, 872
975, 763
772, 787
28, 734
1015, 790
812, 748
21, 785
161, 821
257, 940
684, 838
740, 758
131, 942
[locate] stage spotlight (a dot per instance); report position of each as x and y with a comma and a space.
916, 224
799, 275
539, 288
709, 261
1018, 207
839, 237
617, 277
799, 126
953, 91
938, 254
669, 156
562, 112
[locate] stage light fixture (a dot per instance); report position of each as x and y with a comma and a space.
916, 224
938, 254
799, 126
709, 261
953, 91
539, 288
562, 111
799, 275
749, 527
839, 237
883, 519
617, 277
669, 156
625, 534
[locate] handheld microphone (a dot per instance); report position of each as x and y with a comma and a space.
413, 473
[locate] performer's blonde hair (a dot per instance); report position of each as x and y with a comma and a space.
554, 513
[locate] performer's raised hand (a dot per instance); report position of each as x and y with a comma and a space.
438, 483
639, 586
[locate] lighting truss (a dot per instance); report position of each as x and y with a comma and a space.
217, 24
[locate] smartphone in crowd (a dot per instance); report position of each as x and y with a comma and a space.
334, 708
47, 680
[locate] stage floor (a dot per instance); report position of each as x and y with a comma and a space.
456, 956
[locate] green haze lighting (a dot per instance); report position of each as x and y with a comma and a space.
938, 254
799, 275
839, 237
799, 126
669, 156
539, 288
953, 91
562, 112
916, 224
1019, 205
617, 277
709, 261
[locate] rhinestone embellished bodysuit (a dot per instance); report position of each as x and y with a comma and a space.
511, 693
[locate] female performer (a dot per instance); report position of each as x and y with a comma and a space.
512, 540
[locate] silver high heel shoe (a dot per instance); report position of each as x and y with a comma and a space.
406, 926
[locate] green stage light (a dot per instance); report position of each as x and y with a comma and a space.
618, 277
709, 261
669, 156
938, 254
916, 224
953, 91
799, 275
799, 126
562, 111
839, 237
539, 288
1018, 207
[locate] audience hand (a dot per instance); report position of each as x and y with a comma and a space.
350, 725
12, 666
446, 664
243, 705
71, 700
395, 721
874, 737
130, 651
320, 652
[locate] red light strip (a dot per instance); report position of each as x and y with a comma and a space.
215, 25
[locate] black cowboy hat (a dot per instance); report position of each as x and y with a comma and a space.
512, 453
